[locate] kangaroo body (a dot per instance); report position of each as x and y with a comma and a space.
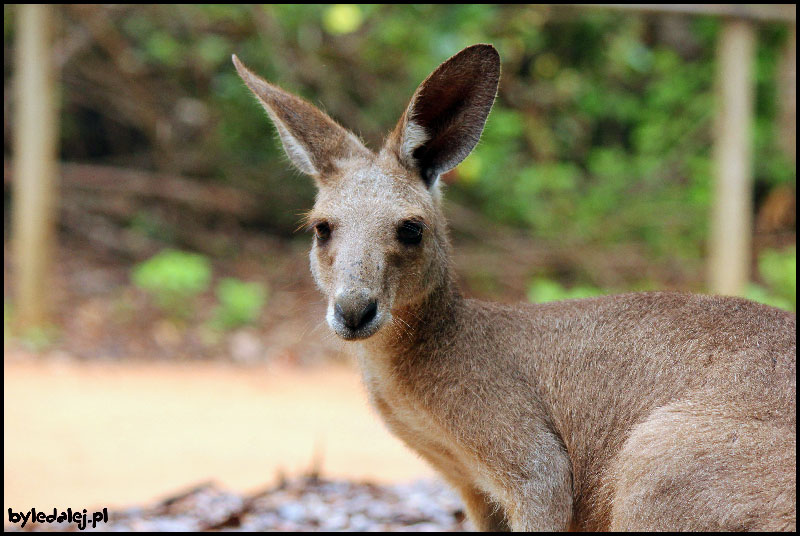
619, 412
659, 411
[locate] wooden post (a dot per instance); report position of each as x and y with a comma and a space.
35, 139
787, 95
731, 214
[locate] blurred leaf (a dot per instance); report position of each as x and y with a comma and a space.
470, 169
760, 294
546, 290
213, 49
173, 278
163, 48
779, 271
342, 19
240, 303
39, 338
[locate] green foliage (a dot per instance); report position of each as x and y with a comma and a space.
778, 270
39, 338
342, 19
601, 132
240, 303
150, 225
173, 279
545, 290
616, 149
35, 339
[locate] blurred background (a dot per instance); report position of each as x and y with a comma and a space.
161, 326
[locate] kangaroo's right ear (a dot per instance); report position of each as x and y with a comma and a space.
445, 118
312, 140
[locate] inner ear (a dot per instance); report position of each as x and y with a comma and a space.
439, 112
446, 115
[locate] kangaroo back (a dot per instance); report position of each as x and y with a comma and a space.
653, 411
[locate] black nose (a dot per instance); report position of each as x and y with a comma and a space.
356, 315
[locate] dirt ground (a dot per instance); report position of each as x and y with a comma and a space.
92, 434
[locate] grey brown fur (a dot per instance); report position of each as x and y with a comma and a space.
653, 411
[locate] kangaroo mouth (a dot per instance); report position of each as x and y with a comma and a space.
350, 334
363, 330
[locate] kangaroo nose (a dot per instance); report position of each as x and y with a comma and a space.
355, 313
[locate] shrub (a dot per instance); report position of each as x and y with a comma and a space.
778, 270
546, 290
240, 303
173, 279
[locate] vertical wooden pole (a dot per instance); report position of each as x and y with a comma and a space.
35, 163
731, 215
787, 95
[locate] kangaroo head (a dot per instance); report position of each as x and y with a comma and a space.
379, 235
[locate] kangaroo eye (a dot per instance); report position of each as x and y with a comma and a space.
410, 232
322, 231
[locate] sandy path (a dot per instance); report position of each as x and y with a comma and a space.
82, 435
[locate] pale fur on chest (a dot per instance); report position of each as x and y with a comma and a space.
407, 418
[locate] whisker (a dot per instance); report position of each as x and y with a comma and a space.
402, 330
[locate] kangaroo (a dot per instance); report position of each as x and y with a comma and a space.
641, 411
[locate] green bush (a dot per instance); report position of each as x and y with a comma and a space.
545, 290
173, 279
240, 303
778, 270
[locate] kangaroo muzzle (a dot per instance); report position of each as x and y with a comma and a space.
355, 314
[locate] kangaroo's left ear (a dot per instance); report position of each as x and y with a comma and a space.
313, 141
446, 115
